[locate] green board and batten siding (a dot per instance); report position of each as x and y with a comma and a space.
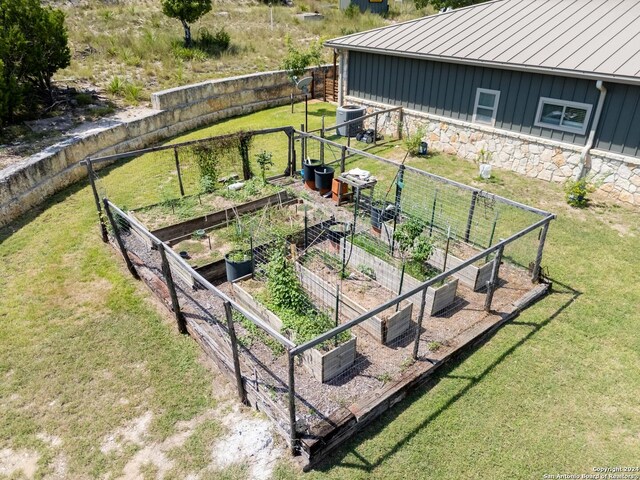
449, 90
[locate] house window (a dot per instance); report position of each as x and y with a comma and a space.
563, 115
486, 106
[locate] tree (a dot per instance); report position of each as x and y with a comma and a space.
187, 11
296, 61
439, 4
33, 46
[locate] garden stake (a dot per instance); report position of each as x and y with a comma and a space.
401, 282
493, 228
292, 403
493, 283
433, 211
175, 154
337, 310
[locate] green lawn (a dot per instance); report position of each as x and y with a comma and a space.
83, 351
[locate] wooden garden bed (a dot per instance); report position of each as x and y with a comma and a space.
323, 365
357, 290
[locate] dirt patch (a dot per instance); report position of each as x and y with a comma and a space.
14, 461
250, 440
133, 432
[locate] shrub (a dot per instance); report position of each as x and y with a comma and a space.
577, 191
214, 43
264, 161
296, 61
352, 11
33, 46
412, 142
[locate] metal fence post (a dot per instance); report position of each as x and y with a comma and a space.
343, 157
493, 282
292, 404
535, 274
419, 326
234, 351
322, 143
96, 197
400, 123
175, 155
375, 130
116, 234
168, 277
472, 208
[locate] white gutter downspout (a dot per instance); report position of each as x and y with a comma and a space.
592, 134
342, 86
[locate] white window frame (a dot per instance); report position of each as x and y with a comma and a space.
494, 109
564, 103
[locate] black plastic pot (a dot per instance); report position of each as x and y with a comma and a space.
377, 215
324, 177
336, 232
238, 269
309, 168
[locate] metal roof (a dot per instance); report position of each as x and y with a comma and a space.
597, 39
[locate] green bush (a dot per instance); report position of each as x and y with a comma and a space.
412, 142
214, 43
352, 11
33, 46
296, 61
577, 192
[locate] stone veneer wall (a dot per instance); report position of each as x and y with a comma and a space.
28, 183
617, 175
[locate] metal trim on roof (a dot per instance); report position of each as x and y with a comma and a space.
595, 39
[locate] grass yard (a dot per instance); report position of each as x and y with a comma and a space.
94, 379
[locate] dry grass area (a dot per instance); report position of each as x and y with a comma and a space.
130, 49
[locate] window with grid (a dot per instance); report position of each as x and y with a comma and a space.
486, 106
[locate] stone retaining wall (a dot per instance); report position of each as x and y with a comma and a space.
177, 110
617, 175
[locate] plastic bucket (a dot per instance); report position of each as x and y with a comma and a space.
324, 177
309, 169
237, 269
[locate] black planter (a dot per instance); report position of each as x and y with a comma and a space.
324, 177
336, 232
309, 169
377, 215
238, 269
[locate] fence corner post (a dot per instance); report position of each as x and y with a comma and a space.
168, 277
234, 351
419, 324
96, 197
293, 437
493, 282
116, 233
535, 274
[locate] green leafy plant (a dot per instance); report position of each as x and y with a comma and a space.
577, 192
483, 156
265, 161
116, 86
434, 346
208, 161
296, 61
368, 271
412, 142
288, 300
410, 241
213, 43
352, 11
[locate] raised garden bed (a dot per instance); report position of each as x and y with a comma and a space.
438, 298
324, 364
358, 294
